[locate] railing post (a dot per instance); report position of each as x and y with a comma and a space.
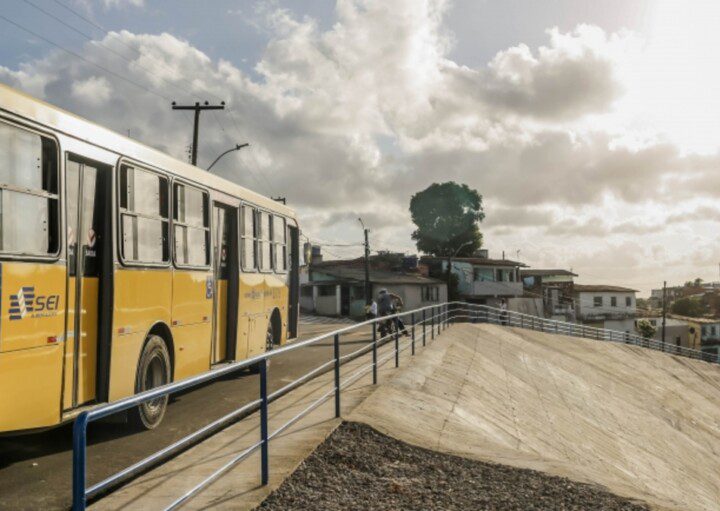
412, 330
374, 353
423, 323
432, 323
79, 462
397, 347
264, 456
337, 374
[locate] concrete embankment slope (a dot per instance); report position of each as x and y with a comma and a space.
644, 424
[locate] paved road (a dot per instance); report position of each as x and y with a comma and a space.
35, 470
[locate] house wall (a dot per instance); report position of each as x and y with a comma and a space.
620, 325
492, 280
587, 310
412, 294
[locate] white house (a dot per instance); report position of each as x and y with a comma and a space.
603, 306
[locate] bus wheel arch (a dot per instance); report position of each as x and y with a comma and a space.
275, 322
155, 368
162, 330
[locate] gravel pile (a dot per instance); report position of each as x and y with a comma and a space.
359, 468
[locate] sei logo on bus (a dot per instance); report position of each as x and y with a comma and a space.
26, 302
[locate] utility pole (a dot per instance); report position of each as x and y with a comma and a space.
368, 287
197, 108
664, 313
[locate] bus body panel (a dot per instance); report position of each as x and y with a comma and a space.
33, 305
142, 299
192, 308
30, 380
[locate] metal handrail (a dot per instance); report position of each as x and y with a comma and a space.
437, 319
441, 316
522, 320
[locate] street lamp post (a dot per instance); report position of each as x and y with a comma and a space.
236, 148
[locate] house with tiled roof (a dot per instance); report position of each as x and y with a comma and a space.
606, 306
337, 287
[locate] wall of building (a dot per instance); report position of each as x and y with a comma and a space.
586, 306
620, 325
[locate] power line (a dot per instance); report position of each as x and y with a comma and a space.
106, 31
70, 52
88, 37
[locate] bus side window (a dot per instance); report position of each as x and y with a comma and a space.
29, 220
279, 245
264, 242
248, 236
144, 216
192, 226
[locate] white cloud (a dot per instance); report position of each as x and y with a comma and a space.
352, 120
95, 90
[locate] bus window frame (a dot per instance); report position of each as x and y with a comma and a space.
258, 251
241, 225
274, 244
60, 221
208, 229
119, 212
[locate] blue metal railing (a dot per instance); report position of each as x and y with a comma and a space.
435, 318
437, 314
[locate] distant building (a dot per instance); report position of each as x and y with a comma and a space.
337, 288
487, 281
604, 306
678, 332
555, 287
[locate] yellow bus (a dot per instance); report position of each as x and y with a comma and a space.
122, 268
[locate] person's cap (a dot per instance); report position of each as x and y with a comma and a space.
382, 291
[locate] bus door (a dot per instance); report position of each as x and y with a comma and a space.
86, 222
225, 269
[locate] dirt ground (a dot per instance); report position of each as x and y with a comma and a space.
359, 468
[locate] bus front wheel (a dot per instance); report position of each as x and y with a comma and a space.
153, 371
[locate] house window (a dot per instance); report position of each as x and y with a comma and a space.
143, 216
306, 291
613, 301
628, 301
248, 238
430, 294
29, 217
597, 301
482, 274
191, 226
326, 290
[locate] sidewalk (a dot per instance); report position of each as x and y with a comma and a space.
240, 488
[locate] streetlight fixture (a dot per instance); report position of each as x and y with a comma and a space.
236, 148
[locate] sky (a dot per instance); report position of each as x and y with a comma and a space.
590, 128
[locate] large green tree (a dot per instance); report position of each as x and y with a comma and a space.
447, 217
688, 307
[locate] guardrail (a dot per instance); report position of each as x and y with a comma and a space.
431, 320
484, 313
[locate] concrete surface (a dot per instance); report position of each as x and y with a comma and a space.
642, 423
240, 488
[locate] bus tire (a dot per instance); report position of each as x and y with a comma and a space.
154, 370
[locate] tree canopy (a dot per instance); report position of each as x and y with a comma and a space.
646, 329
447, 217
688, 307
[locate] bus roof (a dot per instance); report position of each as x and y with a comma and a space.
29, 107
